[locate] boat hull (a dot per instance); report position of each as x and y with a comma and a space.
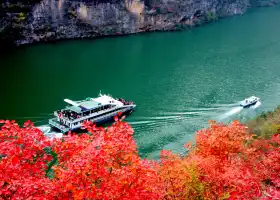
111, 118
248, 105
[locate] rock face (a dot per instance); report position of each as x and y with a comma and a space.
51, 20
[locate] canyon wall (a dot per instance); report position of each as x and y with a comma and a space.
49, 20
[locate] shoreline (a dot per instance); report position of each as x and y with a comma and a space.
98, 37
76, 29
44, 23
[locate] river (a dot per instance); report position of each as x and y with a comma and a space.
179, 80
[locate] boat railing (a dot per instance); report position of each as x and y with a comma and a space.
125, 102
82, 117
57, 125
90, 115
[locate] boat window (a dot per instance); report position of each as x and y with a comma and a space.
111, 111
86, 113
99, 115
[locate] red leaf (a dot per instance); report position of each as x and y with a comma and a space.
15, 160
116, 118
28, 123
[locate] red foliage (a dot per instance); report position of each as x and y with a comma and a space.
225, 163
102, 165
23, 162
105, 165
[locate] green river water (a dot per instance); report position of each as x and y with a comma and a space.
179, 80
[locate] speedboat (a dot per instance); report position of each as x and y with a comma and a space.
249, 101
98, 110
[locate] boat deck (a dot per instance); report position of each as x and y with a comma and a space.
53, 122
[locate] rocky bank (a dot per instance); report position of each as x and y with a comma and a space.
26, 22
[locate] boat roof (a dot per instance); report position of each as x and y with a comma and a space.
85, 105
105, 99
75, 109
252, 97
93, 103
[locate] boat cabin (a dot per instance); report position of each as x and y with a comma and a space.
94, 109
84, 109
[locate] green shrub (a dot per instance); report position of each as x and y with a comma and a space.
266, 124
211, 16
268, 129
21, 16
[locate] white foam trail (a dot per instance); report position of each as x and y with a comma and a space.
231, 112
224, 105
258, 104
54, 135
44, 128
201, 109
165, 117
47, 131
185, 113
140, 122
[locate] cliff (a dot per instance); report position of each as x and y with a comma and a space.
49, 20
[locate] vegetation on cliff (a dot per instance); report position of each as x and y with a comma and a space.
32, 21
266, 124
227, 162
12, 15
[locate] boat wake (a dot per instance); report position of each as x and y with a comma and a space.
231, 112
140, 122
44, 128
237, 110
258, 104
47, 131
168, 119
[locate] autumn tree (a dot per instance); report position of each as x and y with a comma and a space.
23, 162
105, 164
226, 162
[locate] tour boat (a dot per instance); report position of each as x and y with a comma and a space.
249, 101
98, 110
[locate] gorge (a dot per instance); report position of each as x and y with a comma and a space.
178, 80
26, 22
